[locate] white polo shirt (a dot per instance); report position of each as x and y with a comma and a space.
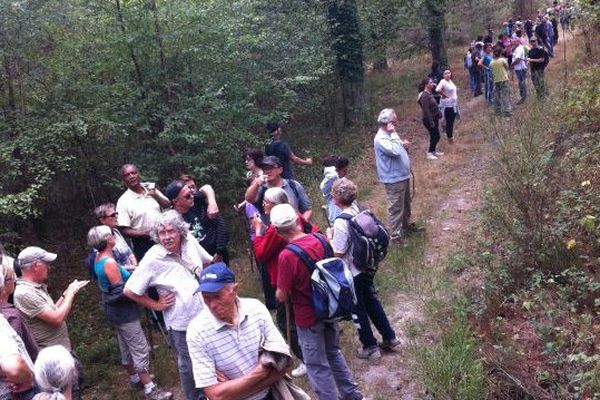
138, 211
169, 273
215, 345
11, 345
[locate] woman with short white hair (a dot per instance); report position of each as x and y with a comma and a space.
55, 373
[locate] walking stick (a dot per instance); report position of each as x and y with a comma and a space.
288, 328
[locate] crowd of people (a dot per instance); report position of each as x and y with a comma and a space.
167, 251
523, 47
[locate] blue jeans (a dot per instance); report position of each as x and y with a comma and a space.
522, 78
472, 81
327, 370
184, 365
369, 307
489, 85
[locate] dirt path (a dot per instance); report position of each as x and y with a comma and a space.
448, 197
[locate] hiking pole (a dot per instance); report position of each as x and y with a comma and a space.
288, 328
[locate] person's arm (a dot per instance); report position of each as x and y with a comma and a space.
161, 199
211, 201
112, 272
63, 305
304, 205
390, 145
161, 304
251, 195
134, 233
268, 245
281, 295
132, 260
258, 379
16, 373
300, 161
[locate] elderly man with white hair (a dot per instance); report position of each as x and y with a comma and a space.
393, 170
171, 266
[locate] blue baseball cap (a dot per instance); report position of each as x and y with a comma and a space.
214, 277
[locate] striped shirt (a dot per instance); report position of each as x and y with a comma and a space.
215, 345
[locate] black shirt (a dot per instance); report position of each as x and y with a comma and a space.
281, 149
537, 53
210, 233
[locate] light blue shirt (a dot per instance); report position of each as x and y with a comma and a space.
393, 164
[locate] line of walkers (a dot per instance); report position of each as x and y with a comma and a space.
521, 46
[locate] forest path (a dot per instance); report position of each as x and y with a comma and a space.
447, 195
447, 202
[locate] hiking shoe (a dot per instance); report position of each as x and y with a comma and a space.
413, 228
369, 353
438, 153
520, 101
158, 394
390, 346
299, 371
431, 156
451, 140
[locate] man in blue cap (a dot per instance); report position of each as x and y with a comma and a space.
225, 340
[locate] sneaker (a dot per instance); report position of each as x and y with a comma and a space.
413, 228
431, 156
139, 385
438, 153
158, 394
390, 346
521, 101
299, 371
369, 353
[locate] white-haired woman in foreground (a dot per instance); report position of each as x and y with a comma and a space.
54, 373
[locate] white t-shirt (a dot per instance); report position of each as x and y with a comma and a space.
169, 273
341, 242
450, 91
138, 211
519, 53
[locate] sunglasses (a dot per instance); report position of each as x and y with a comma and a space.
115, 214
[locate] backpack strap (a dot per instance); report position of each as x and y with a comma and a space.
309, 262
301, 254
293, 184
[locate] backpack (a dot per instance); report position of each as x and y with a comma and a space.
263, 189
333, 294
369, 239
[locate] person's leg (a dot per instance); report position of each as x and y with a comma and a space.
491, 85
522, 79
450, 116
184, 365
268, 289
406, 209
395, 208
435, 137
542, 84
282, 324
496, 99
360, 316
375, 309
312, 341
344, 381
505, 98
535, 81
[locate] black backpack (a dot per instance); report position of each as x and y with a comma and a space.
369, 239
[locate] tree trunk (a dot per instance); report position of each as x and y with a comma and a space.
435, 11
520, 8
161, 51
347, 47
134, 60
12, 103
380, 65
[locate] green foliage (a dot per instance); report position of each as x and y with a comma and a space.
173, 86
452, 369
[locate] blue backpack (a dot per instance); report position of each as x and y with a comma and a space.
333, 294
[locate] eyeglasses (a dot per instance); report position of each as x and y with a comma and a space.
115, 214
